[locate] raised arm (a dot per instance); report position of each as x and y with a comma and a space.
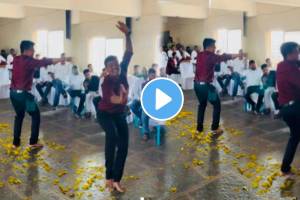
129, 49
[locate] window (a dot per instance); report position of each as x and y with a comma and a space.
229, 41
278, 38
100, 48
50, 43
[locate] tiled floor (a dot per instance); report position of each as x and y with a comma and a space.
242, 164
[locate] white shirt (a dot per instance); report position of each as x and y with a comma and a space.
178, 55
238, 65
224, 68
163, 59
194, 57
100, 86
63, 72
10, 60
253, 77
44, 76
2, 59
76, 82
170, 52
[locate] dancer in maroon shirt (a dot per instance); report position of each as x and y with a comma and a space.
22, 76
205, 91
288, 83
112, 113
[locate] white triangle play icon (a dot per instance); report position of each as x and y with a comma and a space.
161, 99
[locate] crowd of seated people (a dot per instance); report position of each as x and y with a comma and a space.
172, 57
251, 80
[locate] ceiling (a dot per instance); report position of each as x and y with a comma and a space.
197, 9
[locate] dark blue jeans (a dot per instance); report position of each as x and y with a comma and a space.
136, 108
237, 82
59, 87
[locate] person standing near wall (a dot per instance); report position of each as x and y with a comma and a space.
205, 91
112, 113
288, 83
22, 100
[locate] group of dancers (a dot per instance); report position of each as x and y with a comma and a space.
112, 107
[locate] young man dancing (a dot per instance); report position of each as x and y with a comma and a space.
205, 91
22, 100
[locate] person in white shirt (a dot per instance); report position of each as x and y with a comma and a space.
76, 90
164, 58
61, 74
10, 59
4, 74
171, 51
194, 55
91, 86
43, 81
254, 85
237, 68
224, 77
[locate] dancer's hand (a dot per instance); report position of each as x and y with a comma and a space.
123, 28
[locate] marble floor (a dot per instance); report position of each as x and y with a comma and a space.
242, 164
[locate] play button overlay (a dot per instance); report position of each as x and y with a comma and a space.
162, 99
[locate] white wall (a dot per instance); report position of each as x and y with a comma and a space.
193, 31
37, 19
269, 18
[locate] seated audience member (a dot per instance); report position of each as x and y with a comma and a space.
172, 69
3, 54
253, 85
237, 68
61, 75
136, 107
269, 86
144, 73
36, 74
44, 82
91, 86
188, 50
155, 67
90, 68
10, 59
2, 61
171, 51
224, 77
76, 90
269, 63
98, 98
137, 71
145, 118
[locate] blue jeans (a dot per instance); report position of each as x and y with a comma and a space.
145, 123
136, 108
59, 87
237, 82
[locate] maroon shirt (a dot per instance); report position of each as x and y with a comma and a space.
23, 71
288, 81
205, 66
111, 86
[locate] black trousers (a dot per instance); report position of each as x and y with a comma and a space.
221, 79
78, 93
255, 89
291, 115
24, 102
116, 143
44, 94
205, 93
275, 100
